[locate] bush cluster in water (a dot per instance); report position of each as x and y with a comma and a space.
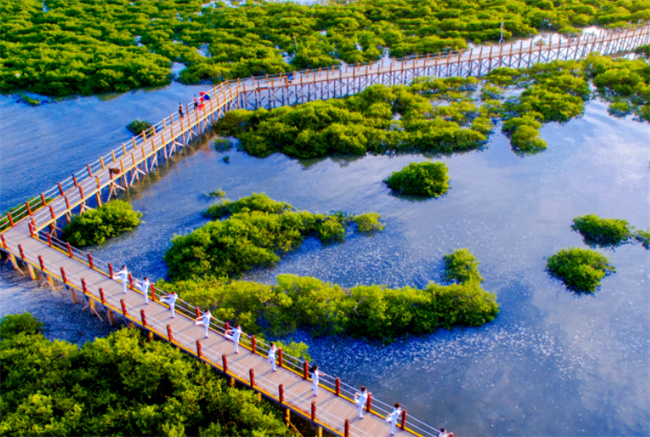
428, 179
369, 311
120, 384
137, 126
256, 231
58, 47
95, 226
579, 269
602, 232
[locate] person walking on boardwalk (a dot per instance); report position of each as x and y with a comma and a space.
143, 286
170, 300
123, 275
204, 319
234, 335
196, 103
393, 417
180, 110
360, 400
314, 379
271, 357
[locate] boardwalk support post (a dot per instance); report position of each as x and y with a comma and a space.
144, 319
338, 386
253, 344
110, 270
280, 358
90, 261
403, 424
281, 394
169, 333
198, 349
63, 278
346, 428
101, 295
123, 307
69, 250
251, 373
369, 403
22, 254
313, 411
224, 360
305, 370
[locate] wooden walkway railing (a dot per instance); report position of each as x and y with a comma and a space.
28, 232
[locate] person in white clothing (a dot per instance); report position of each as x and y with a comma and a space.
170, 300
123, 275
143, 286
314, 379
393, 417
234, 335
204, 320
443, 433
271, 357
360, 400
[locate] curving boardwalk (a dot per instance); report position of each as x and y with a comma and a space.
28, 233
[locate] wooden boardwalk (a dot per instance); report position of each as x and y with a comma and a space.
29, 232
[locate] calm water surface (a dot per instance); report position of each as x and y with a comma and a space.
552, 363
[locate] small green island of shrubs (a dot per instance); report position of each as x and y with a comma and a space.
602, 232
95, 226
137, 126
579, 269
118, 385
254, 231
427, 179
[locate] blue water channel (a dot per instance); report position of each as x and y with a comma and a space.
552, 363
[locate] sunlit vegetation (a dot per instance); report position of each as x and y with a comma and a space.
89, 47
602, 232
597, 231
462, 266
137, 126
369, 311
377, 120
118, 385
256, 232
95, 226
427, 179
579, 269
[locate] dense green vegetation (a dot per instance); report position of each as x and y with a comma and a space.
94, 46
257, 230
377, 120
428, 179
95, 226
597, 231
461, 266
579, 269
137, 126
369, 311
119, 385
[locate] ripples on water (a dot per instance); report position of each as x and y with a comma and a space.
553, 362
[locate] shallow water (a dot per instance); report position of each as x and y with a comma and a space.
552, 363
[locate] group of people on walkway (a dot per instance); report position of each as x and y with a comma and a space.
199, 103
234, 335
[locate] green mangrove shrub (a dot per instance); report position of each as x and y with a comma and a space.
579, 269
256, 231
138, 126
370, 311
121, 384
428, 179
598, 231
95, 226
461, 266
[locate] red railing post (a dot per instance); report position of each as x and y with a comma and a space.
69, 250
130, 281
67, 203
101, 294
369, 402
403, 424
281, 394
74, 178
49, 239
153, 292
224, 360
305, 370
253, 344
110, 269
31, 229
43, 199
90, 173
226, 326
346, 429
338, 386
123, 307
198, 348
40, 260
81, 192
60, 189
33, 223
90, 261
29, 208
313, 411
11, 219
280, 359
144, 319
169, 333
198, 312
52, 212
251, 373
22, 254
83, 285
4, 242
